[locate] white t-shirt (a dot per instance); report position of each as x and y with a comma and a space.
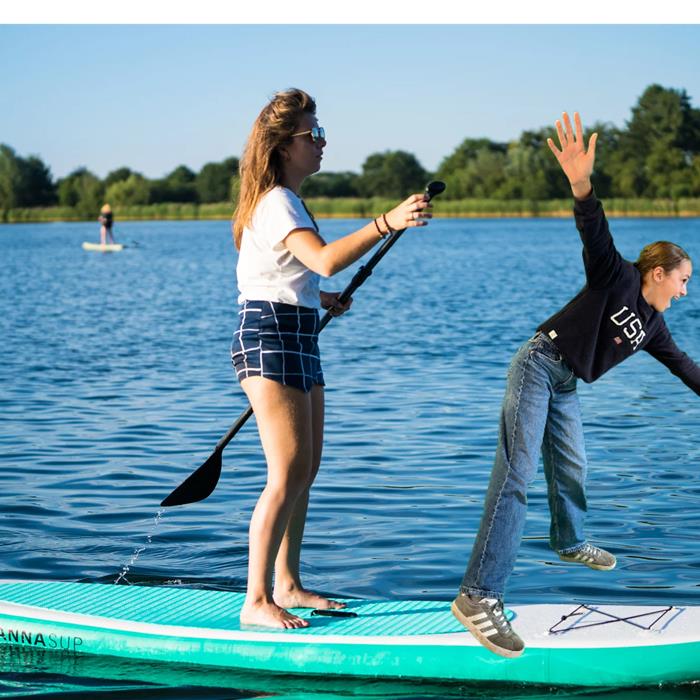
266, 270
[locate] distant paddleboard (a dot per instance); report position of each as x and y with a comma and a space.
567, 645
103, 248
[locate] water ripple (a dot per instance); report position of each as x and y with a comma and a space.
116, 383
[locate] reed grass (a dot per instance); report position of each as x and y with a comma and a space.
40, 215
352, 207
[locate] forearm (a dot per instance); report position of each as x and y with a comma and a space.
663, 348
600, 256
692, 379
337, 255
328, 258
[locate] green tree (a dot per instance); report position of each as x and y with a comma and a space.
393, 174
656, 149
37, 188
465, 154
627, 174
695, 176
118, 175
67, 192
664, 115
344, 184
524, 177
10, 178
82, 190
177, 186
606, 149
136, 189
213, 182
474, 169
532, 172
483, 176
668, 172
24, 182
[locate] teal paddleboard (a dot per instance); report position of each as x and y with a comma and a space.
567, 645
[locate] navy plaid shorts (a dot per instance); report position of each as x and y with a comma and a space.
278, 341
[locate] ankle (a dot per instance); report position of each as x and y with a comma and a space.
258, 600
287, 585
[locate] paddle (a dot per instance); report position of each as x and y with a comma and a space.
200, 484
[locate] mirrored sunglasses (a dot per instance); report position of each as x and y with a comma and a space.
318, 132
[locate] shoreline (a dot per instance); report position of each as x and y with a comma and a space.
466, 215
324, 208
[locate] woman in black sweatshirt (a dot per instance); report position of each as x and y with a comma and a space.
618, 313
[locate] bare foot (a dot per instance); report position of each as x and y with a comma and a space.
301, 598
270, 615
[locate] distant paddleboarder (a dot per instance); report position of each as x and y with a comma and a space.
106, 220
275, 348
618, 312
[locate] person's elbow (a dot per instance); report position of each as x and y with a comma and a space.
322, 260
322, 267
326, 269
326, 265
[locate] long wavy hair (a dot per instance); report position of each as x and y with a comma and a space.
660, 254
261, 164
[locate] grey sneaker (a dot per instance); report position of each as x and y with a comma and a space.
592, 556
485, 619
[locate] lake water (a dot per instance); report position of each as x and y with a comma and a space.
115, 383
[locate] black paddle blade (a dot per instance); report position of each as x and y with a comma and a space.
198, 485
435, 188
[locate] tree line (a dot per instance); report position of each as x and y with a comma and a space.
655, 155
27, 182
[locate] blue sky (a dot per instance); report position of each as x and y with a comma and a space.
153, 97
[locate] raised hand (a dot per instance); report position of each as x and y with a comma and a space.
575, 160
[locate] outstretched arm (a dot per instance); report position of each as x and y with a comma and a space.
575, 160
600, 257
328, 258
664, 349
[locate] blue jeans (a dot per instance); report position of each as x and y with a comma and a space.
540, 412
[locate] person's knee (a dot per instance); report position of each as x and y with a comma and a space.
292, 484
512, 485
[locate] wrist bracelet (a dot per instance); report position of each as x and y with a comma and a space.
386, 223
382, 234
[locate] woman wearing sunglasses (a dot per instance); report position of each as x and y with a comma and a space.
618, 313
275, 348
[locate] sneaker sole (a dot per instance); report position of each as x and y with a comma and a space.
484, 641
597, 567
